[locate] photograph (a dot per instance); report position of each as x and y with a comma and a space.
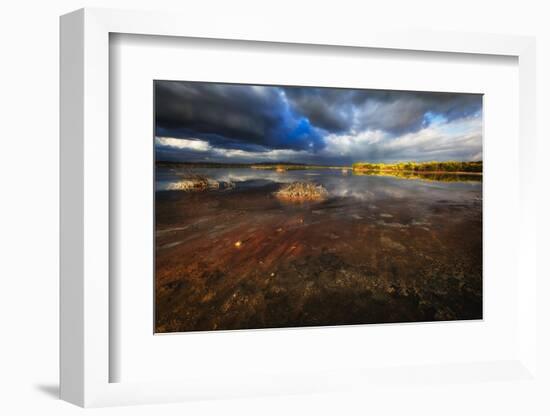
259, 209
305, 206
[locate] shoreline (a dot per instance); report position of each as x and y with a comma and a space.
348, 168
422, 172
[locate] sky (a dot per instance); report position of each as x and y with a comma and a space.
235, 123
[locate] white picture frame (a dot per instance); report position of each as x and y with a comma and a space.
85, 355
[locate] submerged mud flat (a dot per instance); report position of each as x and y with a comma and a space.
375, 250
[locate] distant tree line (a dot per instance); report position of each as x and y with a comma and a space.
448, 166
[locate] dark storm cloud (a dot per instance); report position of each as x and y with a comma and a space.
398, 112
310, 125
395, 112
225, 113
329, 109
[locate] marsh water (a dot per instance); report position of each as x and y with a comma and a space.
378, 249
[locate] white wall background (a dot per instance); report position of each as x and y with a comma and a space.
29, 206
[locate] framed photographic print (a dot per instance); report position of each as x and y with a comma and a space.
277, 213
290, 206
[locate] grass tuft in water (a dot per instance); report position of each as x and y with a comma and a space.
302, 191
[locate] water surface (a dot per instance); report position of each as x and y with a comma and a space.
378, 249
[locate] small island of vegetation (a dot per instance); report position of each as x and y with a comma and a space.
301, 192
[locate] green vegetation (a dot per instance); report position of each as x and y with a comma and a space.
450, 166
302, 191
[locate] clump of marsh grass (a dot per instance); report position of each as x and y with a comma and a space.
193, 185
302, 191
191, 181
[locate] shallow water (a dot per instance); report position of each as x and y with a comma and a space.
378, 249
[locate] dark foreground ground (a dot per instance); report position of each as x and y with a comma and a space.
243, 259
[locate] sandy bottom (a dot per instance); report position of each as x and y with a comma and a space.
243, 259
